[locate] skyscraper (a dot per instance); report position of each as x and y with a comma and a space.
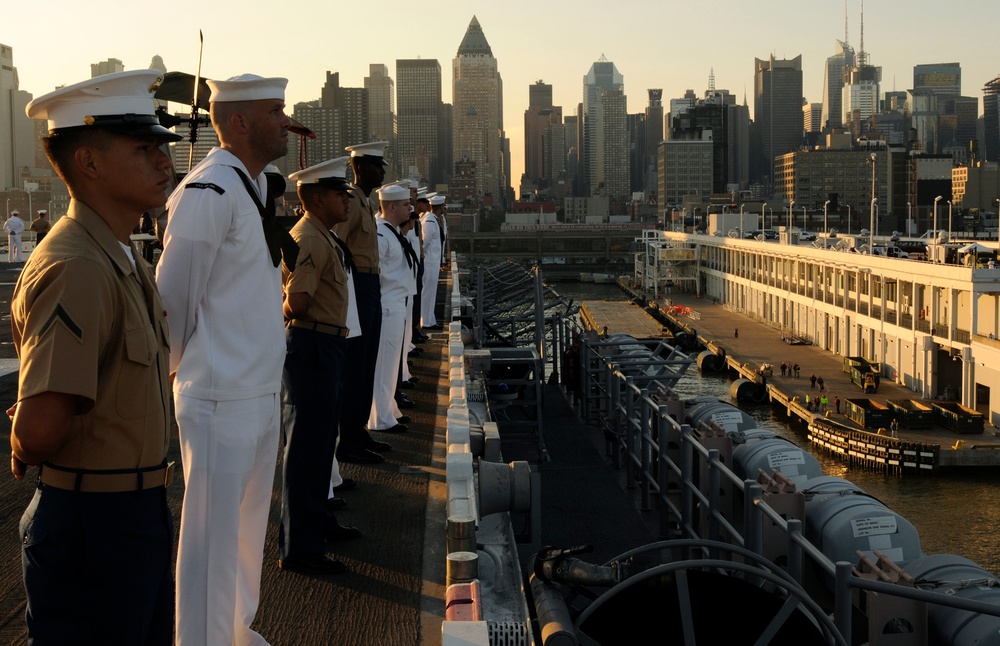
477, 117
938, 78
17, 145
777, 108
602, 78
611, 147
991, 120
833, 86
541, 119
536, 119
418, 105
654, 135
382, 111
110, 66
861, 95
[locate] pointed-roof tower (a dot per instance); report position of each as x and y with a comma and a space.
474, 41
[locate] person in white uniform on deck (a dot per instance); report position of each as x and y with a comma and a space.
397, 263
14, 226
432, 234
221, 285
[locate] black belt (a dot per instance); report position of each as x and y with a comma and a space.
106, 481
316, 326
366, 270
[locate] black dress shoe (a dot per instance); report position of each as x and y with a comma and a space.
403, 402
416, 351
376, 445
436, 326
418, 339
337, 532
346, 485
403, 419
335, 503
407, 385
398, 428
361, 456
322, 565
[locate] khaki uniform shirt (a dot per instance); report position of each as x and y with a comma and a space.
86, 323
360, 232
319, 272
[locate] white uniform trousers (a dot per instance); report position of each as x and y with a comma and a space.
390, 348
407, 342
229, 450
14, 247
429, 290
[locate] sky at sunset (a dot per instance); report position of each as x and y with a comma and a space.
654, 43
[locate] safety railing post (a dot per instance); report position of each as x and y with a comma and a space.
663, 470
645, 433
687, 482
629, 437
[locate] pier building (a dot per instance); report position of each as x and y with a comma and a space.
933, 326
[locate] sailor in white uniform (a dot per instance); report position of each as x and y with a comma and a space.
221, 286
432, 232
14, 226
397, 263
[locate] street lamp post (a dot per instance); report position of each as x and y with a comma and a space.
762, 220
741, 220
949, 220
791, 205
848, 219
908, 219
871, 229
826, 230
805, 225
934, 233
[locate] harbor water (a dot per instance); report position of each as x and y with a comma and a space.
954, 513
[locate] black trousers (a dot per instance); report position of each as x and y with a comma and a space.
97, 567
314, 363
362, 351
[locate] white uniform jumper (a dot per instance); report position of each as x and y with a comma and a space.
398, 279
430, 229
14, 226
222, 294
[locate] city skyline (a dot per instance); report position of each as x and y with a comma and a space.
653, 44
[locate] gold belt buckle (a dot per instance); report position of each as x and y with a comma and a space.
168, 477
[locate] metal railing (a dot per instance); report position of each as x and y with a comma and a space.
661, 456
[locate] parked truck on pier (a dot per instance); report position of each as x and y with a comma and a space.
864, 373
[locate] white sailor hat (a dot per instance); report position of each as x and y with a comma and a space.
331, 173
15, 212
437, 200
393, 193
121, 102
373, 151
247, 87
42, 212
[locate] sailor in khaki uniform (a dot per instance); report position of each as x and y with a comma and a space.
316, 304
93, 405
360, 234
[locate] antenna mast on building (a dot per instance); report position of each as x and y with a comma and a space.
846, 33
711, 81
862, 56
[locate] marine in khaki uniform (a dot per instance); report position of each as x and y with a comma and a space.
316, 306
361, 236
93, 405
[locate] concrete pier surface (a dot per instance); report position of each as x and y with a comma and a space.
752, 342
